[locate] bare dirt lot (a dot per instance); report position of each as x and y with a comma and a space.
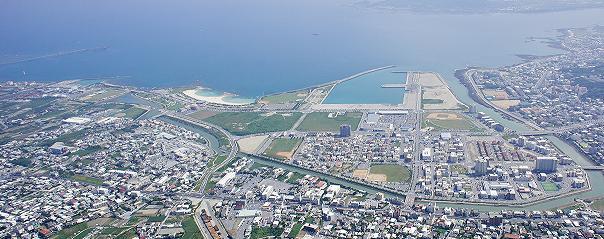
436, 94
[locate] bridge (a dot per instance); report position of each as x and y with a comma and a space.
594, 168
562, 129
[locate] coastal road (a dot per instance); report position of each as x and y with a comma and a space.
469, 76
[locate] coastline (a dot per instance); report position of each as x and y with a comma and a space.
220, 99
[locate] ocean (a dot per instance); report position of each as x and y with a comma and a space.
253, 48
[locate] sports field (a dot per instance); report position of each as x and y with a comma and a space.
448, 121
391, 173
549, 186
245, 123
283, 148
322, 121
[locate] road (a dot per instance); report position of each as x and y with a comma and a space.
468, 75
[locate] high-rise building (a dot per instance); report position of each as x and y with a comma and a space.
481, 166
546, 164
344, 130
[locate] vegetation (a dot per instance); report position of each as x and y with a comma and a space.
320, 121
86, 179
133, 112
393, 172
432, 101
262, 232
294, 178
70, 232
281, 147
83, 234
288, 97
129, 234
450, 124
211, 184
88, 150
22, 162
113, 230
245, 123
65, 138
295, 230
156, 218
191, 229
460, 169
549, 186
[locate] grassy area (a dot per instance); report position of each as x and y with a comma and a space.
262, 232
86, 179
22, 162
88, 150
281, 147
157, 218
295, 230
129, 234
393, 172
598, 205
133, 220
191, 229
257, 165
549, 186
245, 123
209, 185
461, 123
84, 233
65, 138
102, 95
460, 169
112, 231
294, 178
217, 160
288, 97
432, 101
70, 232
132, 112
320, 121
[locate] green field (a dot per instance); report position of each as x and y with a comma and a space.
280, 146
598, 205
86, 179
262, 232
319, 121
129, 234
132, 112
191, 229
460, 169
295, 230
113, 230
432, 101
393, 172
245, 123
462, 123
157, 218
288, 97
549, 186
71, 231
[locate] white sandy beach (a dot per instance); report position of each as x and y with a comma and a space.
211, 99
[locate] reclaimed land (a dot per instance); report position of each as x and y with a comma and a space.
282, 148
246, 123
320, 121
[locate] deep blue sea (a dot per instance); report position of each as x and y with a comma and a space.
257, 47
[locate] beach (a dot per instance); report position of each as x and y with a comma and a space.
222, 99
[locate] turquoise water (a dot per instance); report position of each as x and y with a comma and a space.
367, 89
269, 46
228, 98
